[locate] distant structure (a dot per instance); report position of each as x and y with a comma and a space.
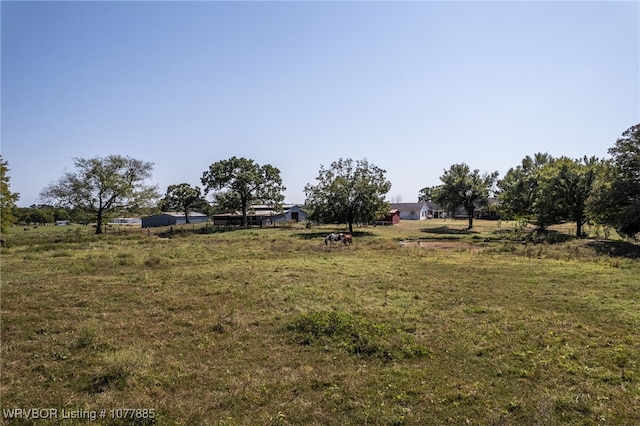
172, 218
131, 221
263, 215
419, 211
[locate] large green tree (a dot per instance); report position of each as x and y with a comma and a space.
464, 188
238, 183
521, 193
101, 185
348, 192
7, 198
616, 197
568, 183
184, 198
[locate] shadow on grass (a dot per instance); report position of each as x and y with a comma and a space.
616, 249
448, 231
315, 235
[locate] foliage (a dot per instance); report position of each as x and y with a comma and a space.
426, 194
464, 188
102, 185
348, 192
184, 198
569, 183
7, 198
240, 182
616, 197
522, 194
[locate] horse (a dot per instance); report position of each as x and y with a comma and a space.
332, 239
347, 239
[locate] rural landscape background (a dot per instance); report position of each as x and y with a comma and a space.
424, 322
125, 109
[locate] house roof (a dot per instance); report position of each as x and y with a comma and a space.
414, 207
408, 207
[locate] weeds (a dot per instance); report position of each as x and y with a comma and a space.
356, 335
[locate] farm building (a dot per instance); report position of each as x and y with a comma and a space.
392, 218
172, 218
131, 221
263, 215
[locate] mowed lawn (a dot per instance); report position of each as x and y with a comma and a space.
269, 326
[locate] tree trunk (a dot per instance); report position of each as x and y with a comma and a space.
186, 216
99, 223
351, 227
579, 223
470, 216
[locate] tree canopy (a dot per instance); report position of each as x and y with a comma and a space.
464, 188
7, 198
521, 192
616, 196
184, 198
348, 192
237, 183
101, 185
568, 183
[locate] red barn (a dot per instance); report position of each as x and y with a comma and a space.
392, 218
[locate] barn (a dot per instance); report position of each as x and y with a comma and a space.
172, 218
392, 218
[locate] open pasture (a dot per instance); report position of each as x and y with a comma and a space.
269, 326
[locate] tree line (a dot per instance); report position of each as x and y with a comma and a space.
541, 190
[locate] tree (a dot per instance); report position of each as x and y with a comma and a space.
7, 198
102, 185
464, 188
522, 192
616, 196
568, 184
426, 193
239, 182
184, 198
348, 192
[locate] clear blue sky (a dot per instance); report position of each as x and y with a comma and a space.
413, 87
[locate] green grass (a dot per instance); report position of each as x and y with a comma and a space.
269, 326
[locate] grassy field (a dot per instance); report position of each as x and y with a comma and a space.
421, 323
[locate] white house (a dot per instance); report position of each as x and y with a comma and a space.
418, 211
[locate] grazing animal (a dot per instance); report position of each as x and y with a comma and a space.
347, 239
332, 238
3, 243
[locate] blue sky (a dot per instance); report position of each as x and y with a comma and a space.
413, 87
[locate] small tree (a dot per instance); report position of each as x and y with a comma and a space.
348, 192
239, 182
464, 188
102, 185
7, 198
183, 197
